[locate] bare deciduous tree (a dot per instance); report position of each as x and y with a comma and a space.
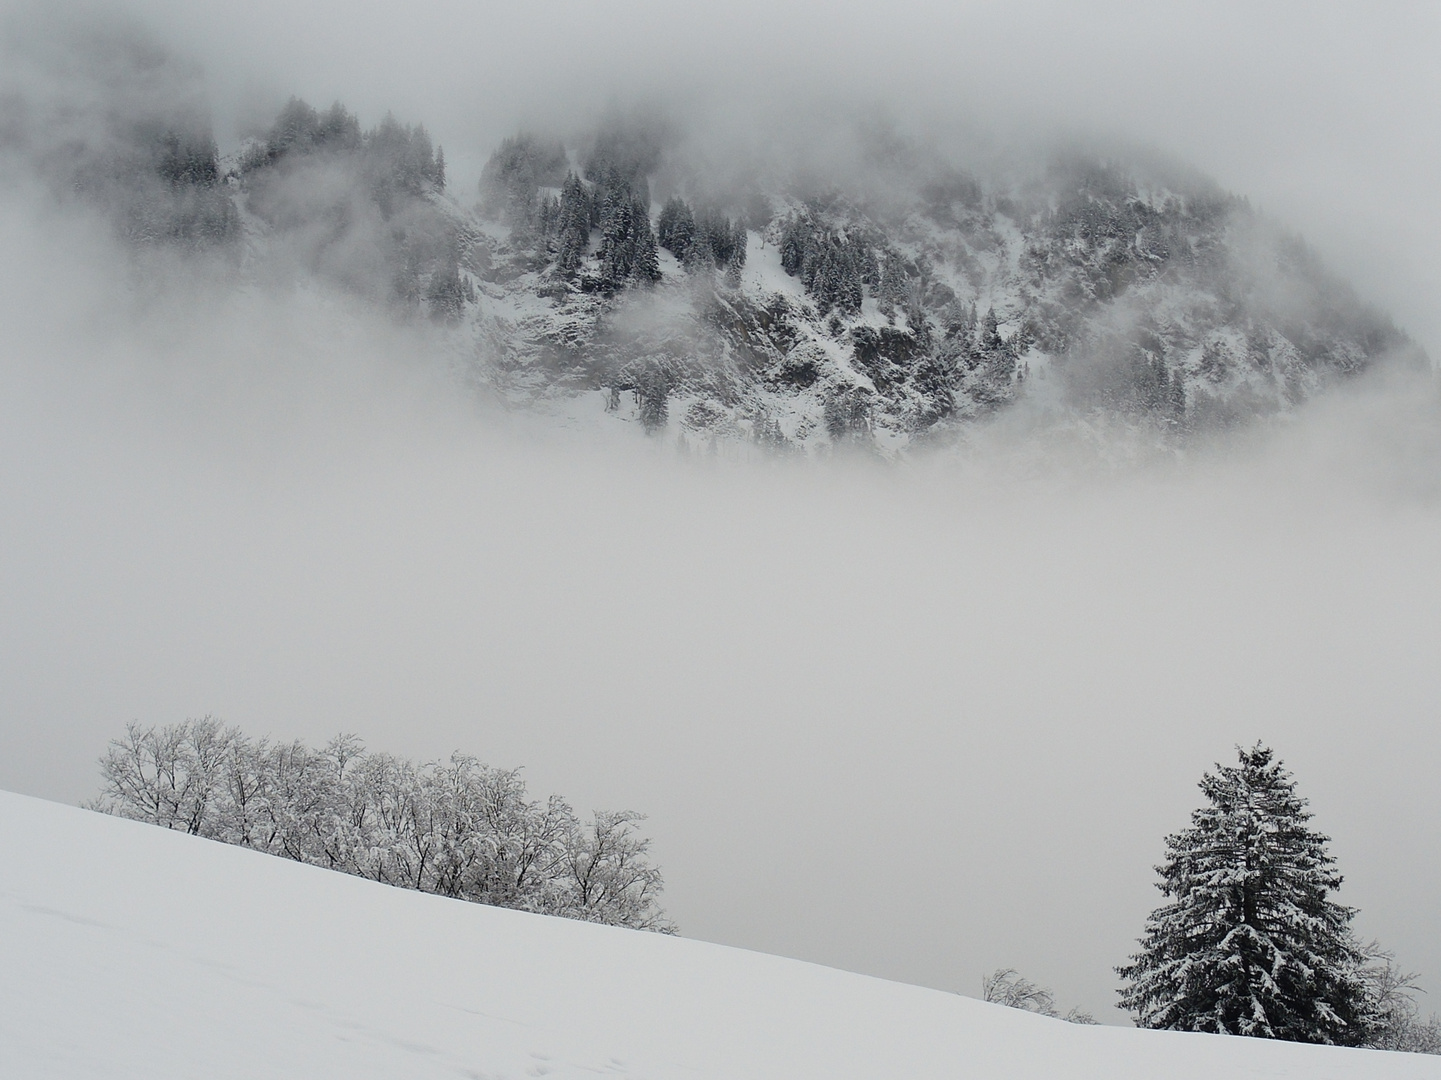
1008, 987
1395, 990
459, 828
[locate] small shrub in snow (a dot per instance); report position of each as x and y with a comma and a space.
1007, 987
1394, 990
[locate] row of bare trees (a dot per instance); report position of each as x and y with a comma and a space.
458, 828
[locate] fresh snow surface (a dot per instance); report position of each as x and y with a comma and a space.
127, 951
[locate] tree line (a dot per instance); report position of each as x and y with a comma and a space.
161, 184
379, 231
397, 159
530, 185
833, 265
703, 241
1249, 943
622, 214
456, 828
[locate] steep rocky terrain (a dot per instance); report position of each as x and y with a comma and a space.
885, 299
800, 318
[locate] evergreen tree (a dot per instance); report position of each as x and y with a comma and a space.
1177, 401
739, 240
399, 161
716, 233
652, 392
851, 290
737, 260
647, 261
891, 291
698, 254
796, 239
1249, 943
514, 174
676, 227
832, 266
758, 211
995, 356
990, 339
572, 225
617, 239
448, 291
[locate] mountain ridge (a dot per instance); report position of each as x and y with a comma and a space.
878, 296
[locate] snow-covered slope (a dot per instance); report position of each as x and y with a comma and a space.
130, 951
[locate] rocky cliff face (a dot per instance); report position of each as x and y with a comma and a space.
804, 319
885, 304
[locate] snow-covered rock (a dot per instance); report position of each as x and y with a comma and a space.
900, 310
882, 297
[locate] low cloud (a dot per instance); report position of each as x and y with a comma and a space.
925, 720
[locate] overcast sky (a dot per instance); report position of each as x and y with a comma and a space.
921, 724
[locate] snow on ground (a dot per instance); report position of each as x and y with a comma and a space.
763, 274
127, 951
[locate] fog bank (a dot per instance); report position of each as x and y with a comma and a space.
921, 721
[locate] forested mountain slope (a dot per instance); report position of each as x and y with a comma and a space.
897, 307
882, 295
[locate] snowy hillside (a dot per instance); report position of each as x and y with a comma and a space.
130, 951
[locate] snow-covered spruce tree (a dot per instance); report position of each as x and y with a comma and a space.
736, 262
572, 225
617, 239
676, 227
647, 258
1250, 943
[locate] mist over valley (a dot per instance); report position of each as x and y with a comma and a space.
901, 506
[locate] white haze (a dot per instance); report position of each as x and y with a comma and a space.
922, 721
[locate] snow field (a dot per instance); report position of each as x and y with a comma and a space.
127, 951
